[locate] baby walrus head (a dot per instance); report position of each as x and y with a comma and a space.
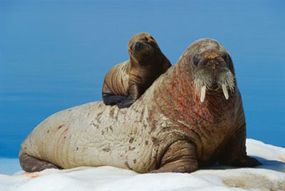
212, 68
143, 48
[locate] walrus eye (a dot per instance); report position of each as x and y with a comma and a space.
195, 60
150, 39
226, 58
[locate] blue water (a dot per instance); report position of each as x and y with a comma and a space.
54, 54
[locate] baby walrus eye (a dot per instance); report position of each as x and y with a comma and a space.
196, 60
138, 45
226, 58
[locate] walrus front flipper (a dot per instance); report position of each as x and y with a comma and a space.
234, 153
120, 101
179, 157
134, 93
32, 164
111, 99
127, 102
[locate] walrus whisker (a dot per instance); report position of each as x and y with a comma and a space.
204, 82
227, 78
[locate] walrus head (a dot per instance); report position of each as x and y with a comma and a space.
212, 69
143, 48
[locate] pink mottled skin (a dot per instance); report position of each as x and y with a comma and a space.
215, 128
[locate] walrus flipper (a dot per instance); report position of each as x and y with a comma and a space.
234, 154
179, 157
111, 99
127, 102
120, 101
32, 164
134, 93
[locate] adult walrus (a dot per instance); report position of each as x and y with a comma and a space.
192, 116
127, 81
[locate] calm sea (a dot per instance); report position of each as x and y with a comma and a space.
55, 53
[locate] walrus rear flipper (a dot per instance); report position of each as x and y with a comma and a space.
32, 164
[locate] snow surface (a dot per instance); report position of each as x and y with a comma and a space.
269, 176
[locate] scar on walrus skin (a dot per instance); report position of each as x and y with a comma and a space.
127, 81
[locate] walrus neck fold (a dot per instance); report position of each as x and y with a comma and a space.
133, 61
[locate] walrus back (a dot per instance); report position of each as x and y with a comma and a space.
92, 135
116, 80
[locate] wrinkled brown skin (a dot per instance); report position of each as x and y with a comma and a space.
167, 130
127, 81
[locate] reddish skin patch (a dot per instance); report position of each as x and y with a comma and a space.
31, 174
206, 124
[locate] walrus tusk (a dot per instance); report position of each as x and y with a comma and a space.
225, 91
203, 93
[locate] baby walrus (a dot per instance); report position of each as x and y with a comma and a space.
127, 81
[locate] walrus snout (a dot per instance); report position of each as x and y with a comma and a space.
138, 46
143, 46
213, 74
210, 80
142, 51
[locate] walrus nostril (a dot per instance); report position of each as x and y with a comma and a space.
215, 85
138, 45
